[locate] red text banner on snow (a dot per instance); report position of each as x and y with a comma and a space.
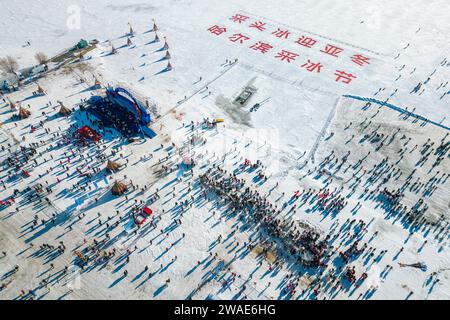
311, 53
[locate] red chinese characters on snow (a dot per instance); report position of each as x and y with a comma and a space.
261, 26
280, 33
238, 37
344, 77
360, 59
239, 18
217, 30
312, 67
306, 41
287, 56
261, 46
332, 50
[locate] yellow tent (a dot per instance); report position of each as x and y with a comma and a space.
112, 166
40, 90
64, 110
118, 188
24, 113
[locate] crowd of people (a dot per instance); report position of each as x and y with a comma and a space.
327, 258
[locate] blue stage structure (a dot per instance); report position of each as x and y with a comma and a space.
121, 110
